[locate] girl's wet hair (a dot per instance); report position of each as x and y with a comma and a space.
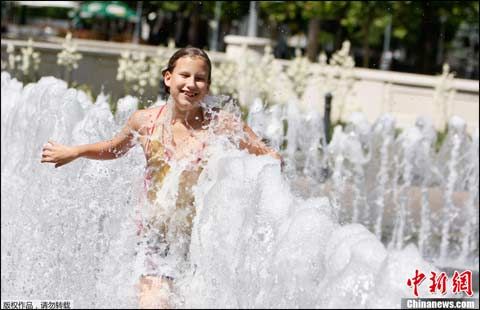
184, 52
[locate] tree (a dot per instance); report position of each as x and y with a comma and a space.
419, 27
191, 18
365, 21
316, 12
304, 14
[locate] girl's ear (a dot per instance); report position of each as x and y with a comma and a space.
167, 78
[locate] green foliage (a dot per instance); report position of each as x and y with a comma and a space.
399, 32
408, 16
42, 12
281, 12
325, 37
325, 10
231, 10
364, 22
170, 6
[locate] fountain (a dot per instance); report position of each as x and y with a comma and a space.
400, 187
389, 205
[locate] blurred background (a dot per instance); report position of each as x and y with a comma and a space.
404, 36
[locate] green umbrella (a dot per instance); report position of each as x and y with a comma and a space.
107, 9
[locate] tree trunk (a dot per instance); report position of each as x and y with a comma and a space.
366, 45
312, 45
226, 27
23, 15
426, 40
340, 33
194, 27
179, 25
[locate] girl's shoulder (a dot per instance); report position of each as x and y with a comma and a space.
152, 113
145, 118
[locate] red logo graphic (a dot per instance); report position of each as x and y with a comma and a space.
416, 281
461, 282
439, 283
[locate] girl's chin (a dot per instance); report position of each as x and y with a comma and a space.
185, 100
185, 105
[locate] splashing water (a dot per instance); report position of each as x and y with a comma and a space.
398, 186
69, 233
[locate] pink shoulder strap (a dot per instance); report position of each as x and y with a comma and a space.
151, 129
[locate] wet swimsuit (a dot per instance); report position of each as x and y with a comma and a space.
166, 238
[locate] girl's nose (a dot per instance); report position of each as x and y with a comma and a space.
191, 82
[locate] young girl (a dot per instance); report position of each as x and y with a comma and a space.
177, 132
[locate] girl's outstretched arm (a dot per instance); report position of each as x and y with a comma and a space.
254, 145
230, 125
60, 154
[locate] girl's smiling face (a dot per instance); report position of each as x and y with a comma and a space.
188, 82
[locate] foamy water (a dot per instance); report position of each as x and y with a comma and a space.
69, 233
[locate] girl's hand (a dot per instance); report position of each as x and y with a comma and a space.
58, 154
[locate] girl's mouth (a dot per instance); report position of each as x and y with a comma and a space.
190, 94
